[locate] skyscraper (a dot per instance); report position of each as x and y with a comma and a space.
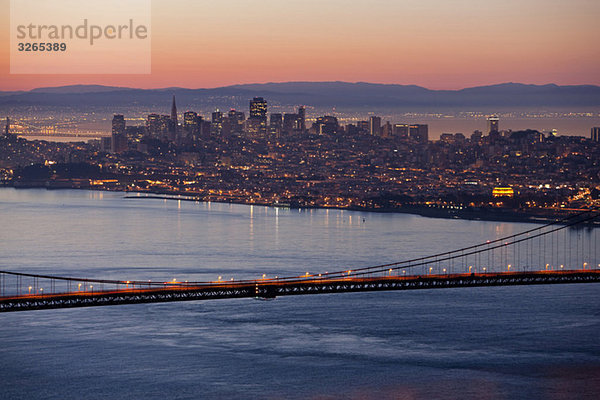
153, 125
387, 130
118, 138
236, 121
302, 118
190, 124
375, 126
276, 124
7, 129
174, 113
493, 124
118, 124
419, 133
257, 123
216, 127
258, 108
401, 130
595, 133
326, 125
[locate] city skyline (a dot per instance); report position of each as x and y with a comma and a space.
430, 43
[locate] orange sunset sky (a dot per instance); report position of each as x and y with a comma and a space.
439, 44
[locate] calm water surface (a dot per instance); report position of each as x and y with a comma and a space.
492, 343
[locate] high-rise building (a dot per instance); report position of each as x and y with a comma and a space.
236, 121
174, 113
292, 122
302, 118
386, 130
258, 108
275, 124
118, 124
401, 130
326, 125
190, 119
7, 128
191, 127
119, 138
134, 134
258, 117
257, 123
106, 144
595, 133
153, 125
419, 133
493, 124
216, 127
476, 136
375, 126
118, 143
363, 126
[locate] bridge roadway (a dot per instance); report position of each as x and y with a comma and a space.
269, 289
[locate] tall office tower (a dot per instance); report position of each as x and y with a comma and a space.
118, 143
7, 128
401, 130
257, 123
153, 125
595, 133
118, 124
216, 126
173, 134
190, 124
493, 124
258, 108
419, 132
326, 125
375, 126
174, 113
276, 124
386, 130
302, 118
236, 121
190, 119
119, 138
363, 126
291, 123
165, 127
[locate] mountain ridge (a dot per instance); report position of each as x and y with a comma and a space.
318, 94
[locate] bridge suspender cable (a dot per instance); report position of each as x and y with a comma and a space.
488, 246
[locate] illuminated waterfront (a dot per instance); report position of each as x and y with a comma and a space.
467, 343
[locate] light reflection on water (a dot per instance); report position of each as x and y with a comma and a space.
522, 342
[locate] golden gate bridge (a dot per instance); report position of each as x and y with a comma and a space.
546, 254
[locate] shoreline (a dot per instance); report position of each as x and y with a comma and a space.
504, 215
465, 213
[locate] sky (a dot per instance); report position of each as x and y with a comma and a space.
438, 44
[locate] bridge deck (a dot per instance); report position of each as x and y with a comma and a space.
272, 289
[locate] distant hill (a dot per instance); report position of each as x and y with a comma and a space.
358, 95
77, 89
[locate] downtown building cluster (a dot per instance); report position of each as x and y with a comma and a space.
193, 127
279, 159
